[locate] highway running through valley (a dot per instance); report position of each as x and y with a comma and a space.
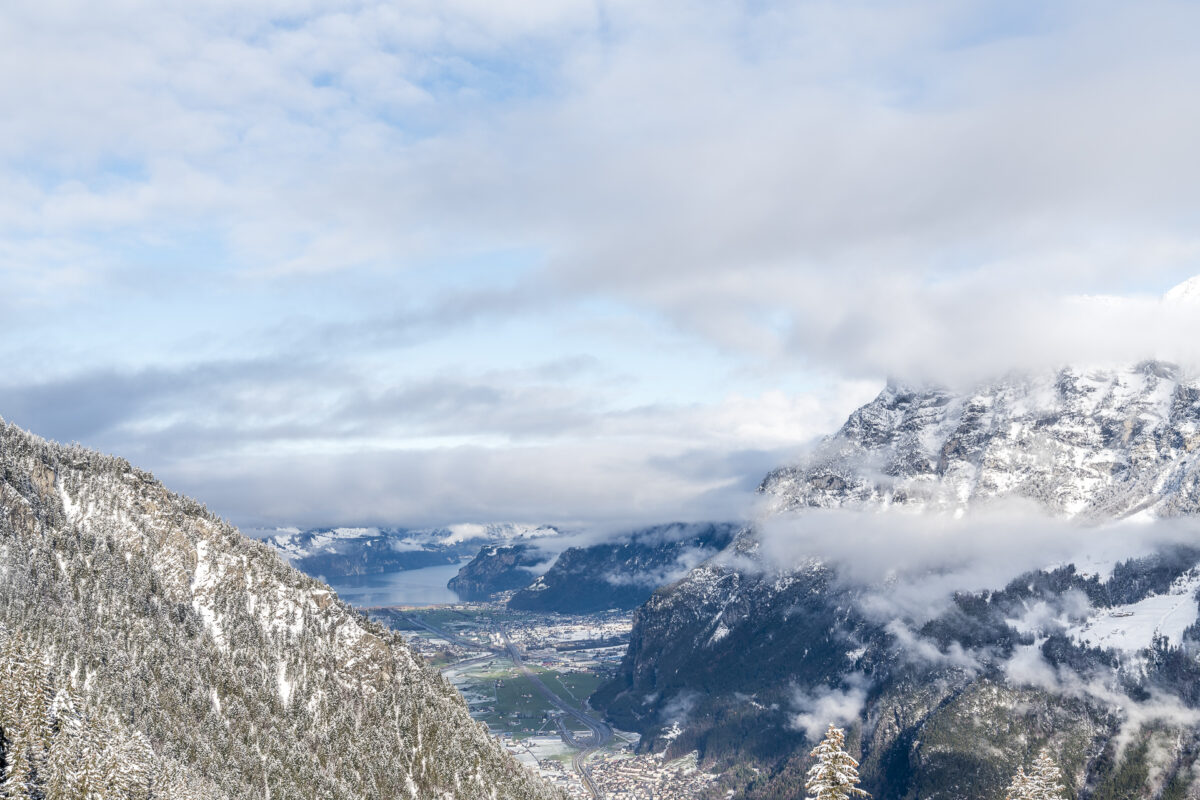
599, 733
449, 637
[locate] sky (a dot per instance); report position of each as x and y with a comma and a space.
415, 263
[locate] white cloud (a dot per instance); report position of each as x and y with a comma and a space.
912, 648
913, 563
273, 440
826, 705
834, 190
1028, 668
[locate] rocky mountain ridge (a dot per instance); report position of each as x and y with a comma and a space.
1096, 444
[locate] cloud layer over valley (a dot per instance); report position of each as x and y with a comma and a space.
914, 563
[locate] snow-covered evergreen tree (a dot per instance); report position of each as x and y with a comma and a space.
1042, 782
835, 775
1020, 787
1046, 778
52, 751
24, 714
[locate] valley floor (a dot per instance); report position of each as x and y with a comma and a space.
528, 677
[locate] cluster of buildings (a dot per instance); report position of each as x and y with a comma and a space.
550, 640
593, 643
562, 632
545, 754
623, 776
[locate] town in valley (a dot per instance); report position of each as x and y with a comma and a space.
527, 677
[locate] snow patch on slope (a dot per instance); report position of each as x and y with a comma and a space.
204, 582
70, 507
1134, 627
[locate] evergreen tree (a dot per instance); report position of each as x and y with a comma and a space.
63, 781
1046, 778
835, 775
23, 715
1020, 787
1042, 782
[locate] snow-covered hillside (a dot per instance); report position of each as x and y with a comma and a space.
232, 664
1133, 627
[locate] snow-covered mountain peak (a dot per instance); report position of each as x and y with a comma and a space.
1186, 292
1091, 442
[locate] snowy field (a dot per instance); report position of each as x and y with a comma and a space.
1134, 626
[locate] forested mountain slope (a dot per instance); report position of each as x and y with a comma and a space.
623, 573
253, 679
760, 647
53, 746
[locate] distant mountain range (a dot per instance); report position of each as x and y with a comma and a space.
746, 657
345, 552
529, 561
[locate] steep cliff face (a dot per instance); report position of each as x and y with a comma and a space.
231, 664
743, 657
1095, 444
496, 569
